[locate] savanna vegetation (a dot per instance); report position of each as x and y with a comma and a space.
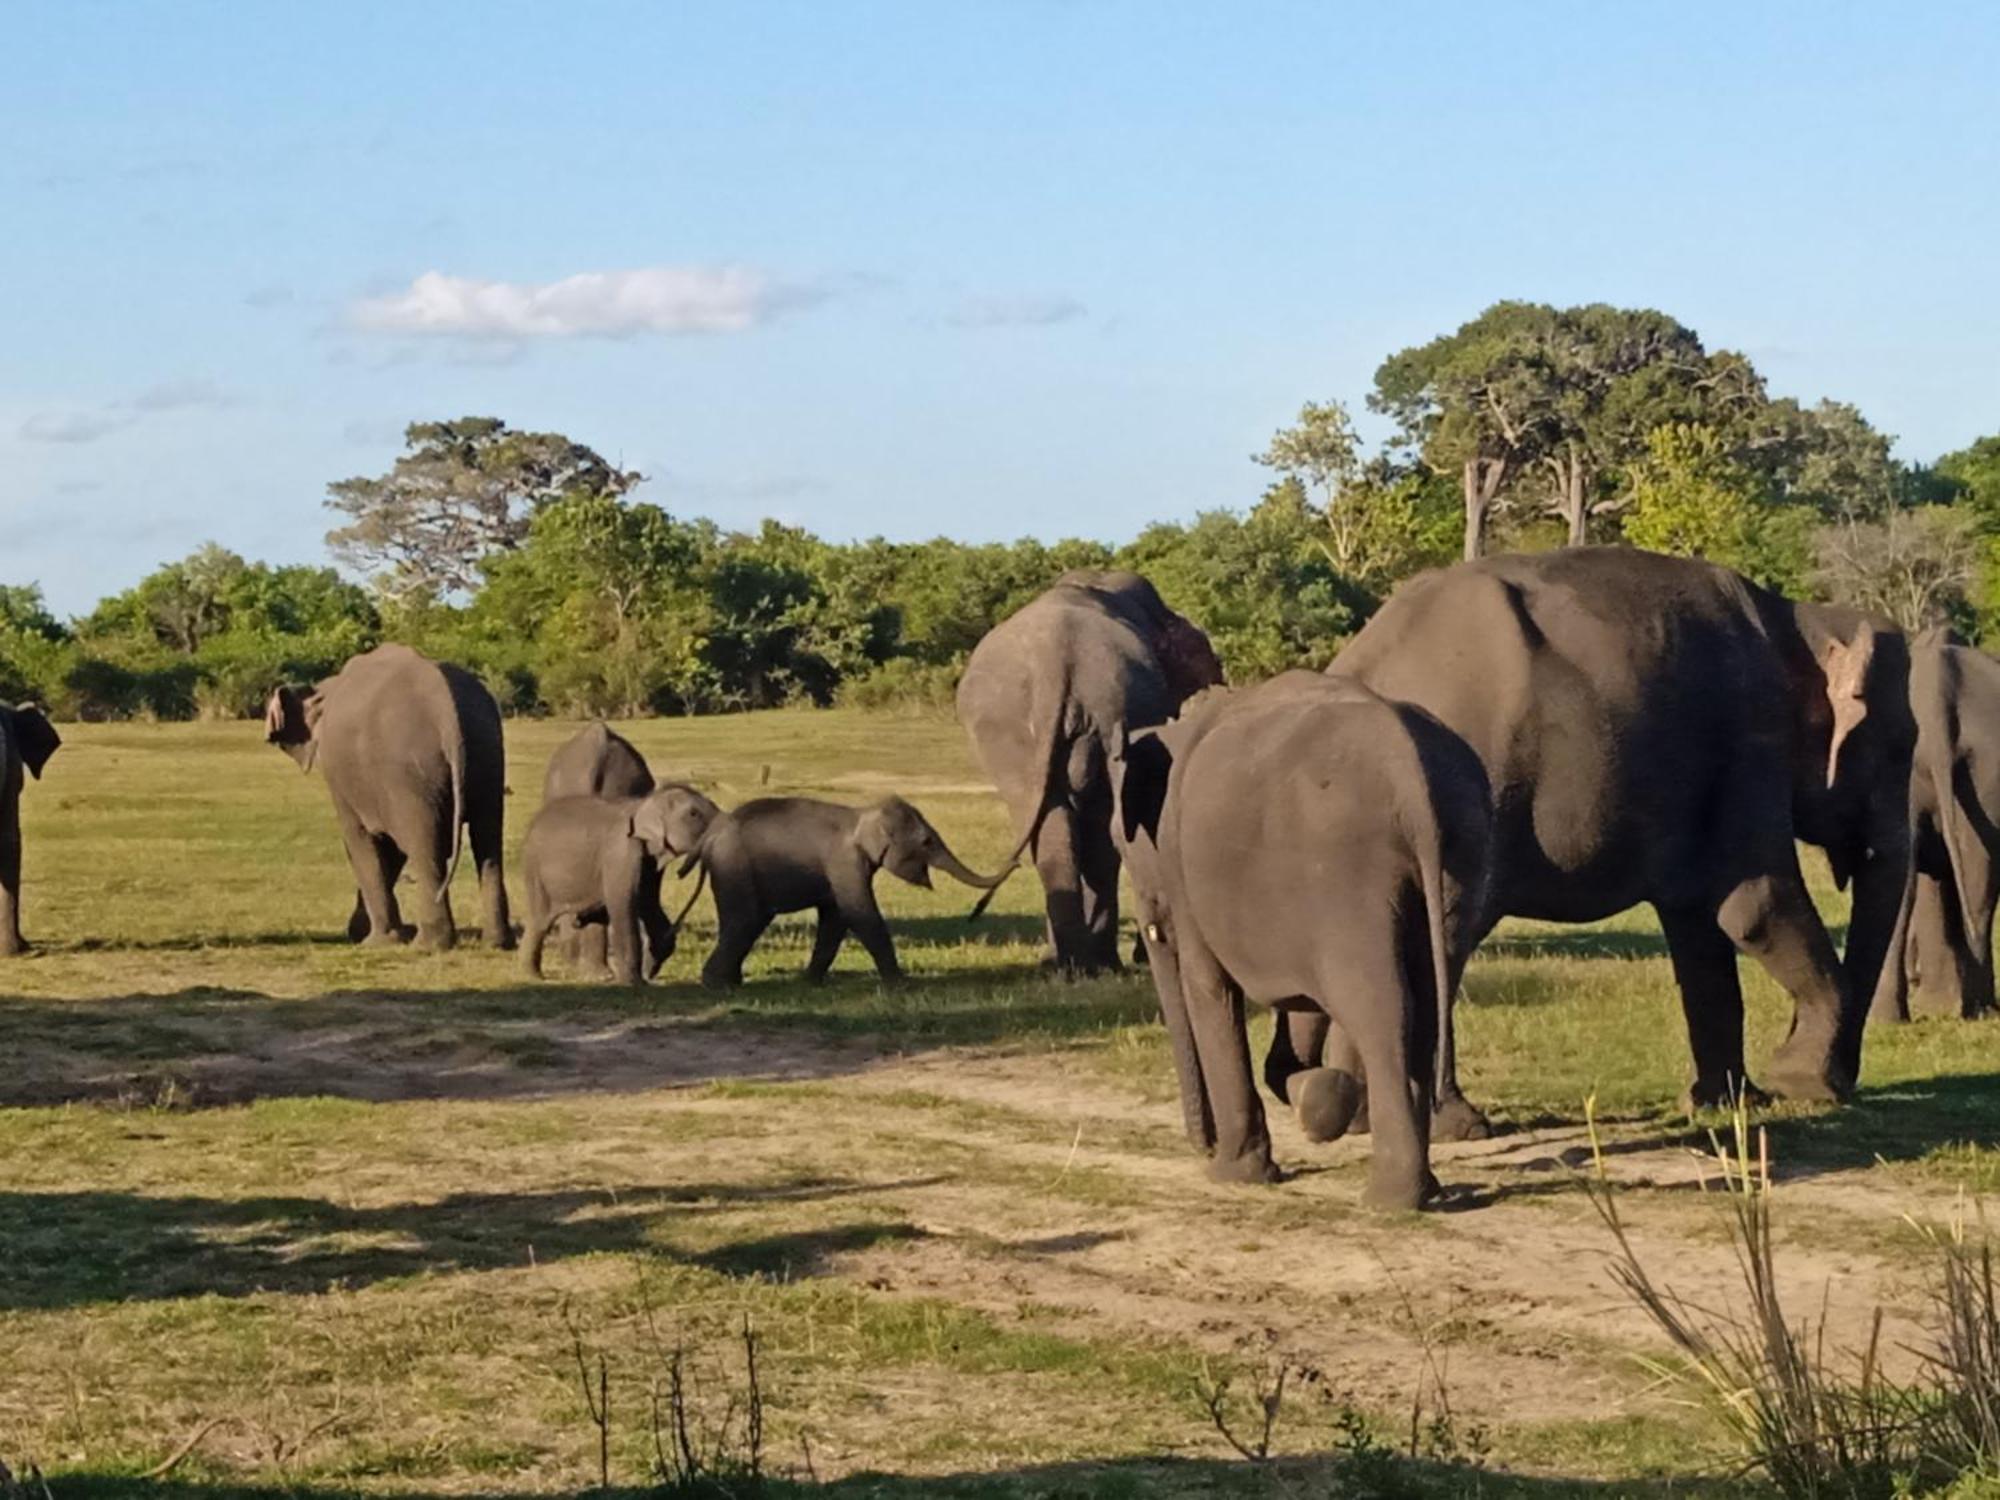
527, 556
338, 1221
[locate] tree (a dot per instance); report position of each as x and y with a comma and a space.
1475, 403
462, 492
1917, 566
1693, 498
1374, 529
23, 609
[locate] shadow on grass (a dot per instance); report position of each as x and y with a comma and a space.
207, 1047
63, 1249
1898, 1122
1579, 942
1120, 1479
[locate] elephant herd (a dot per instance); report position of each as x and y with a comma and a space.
1559, 737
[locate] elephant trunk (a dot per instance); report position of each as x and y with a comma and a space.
943, 859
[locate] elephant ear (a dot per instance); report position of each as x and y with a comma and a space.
648, 824
1187, 657
1140, 771
36, 737
1846, 666
292, 724
873, 835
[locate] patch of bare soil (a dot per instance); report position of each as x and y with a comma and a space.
398, 1053
1506, 1295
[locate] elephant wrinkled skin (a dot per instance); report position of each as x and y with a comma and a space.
412, 752
1308, 845
596, 761
1661, 730
1045, 698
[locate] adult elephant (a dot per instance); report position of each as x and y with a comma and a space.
27, 740
1661, 730
1955, 832
412, 752
1045, 698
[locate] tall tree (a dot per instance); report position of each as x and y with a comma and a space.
461, 492
1476, 402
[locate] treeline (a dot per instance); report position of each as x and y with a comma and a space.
525, 555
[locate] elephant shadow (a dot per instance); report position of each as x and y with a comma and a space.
1907, 1122
160, 1248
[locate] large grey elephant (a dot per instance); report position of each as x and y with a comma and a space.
27, 740
412, 752
781, 854
1955, 832
1045, 698
1307, 845
1661, 730
596, 761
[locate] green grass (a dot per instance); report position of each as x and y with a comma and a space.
340, 1203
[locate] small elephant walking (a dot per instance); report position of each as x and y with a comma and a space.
1310, 846
596, 761
412, 753
783, 854
598, 861
27, 740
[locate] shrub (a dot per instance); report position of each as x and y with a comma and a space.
904, 685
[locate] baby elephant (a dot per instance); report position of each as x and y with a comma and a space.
780, 854
595, 859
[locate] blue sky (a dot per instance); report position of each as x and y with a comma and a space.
986, 270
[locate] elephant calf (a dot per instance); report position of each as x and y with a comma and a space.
782, 854
599, 860
1310, 846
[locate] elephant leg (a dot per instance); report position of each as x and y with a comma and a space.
827, 938
1937, 946
1215, 1015
1771, 918
371, 859
627, 945
589, 950
1704, 962
483, 833
535, 934
740, 919
1376, 1006
865, 918
11, 941
1097, 869
428, 847
1062, 884
1297, 1040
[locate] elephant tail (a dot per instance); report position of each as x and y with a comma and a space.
455, 758
1054, 742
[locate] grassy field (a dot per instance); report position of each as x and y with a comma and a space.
350, 1220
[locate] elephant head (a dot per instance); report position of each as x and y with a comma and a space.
672, 821
291, 722
893, 835
32, 735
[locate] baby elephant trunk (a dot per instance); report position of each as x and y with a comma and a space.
943, 859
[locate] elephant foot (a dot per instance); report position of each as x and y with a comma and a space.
1401, 1192
1793, 1074
1326, 1100
1456, 1120
1724, 1093
393, 937
508, 940
437, 939
1253, 1166
14, 947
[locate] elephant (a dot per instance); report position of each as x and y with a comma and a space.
27, 740
596, 761
412, 750
1307, 845
783, 854
1955, 832
597, 861
1662, 730
1043, 699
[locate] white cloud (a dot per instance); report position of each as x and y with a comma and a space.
73, 427
595, 304
1015, 312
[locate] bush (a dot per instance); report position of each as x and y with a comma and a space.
904, 685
